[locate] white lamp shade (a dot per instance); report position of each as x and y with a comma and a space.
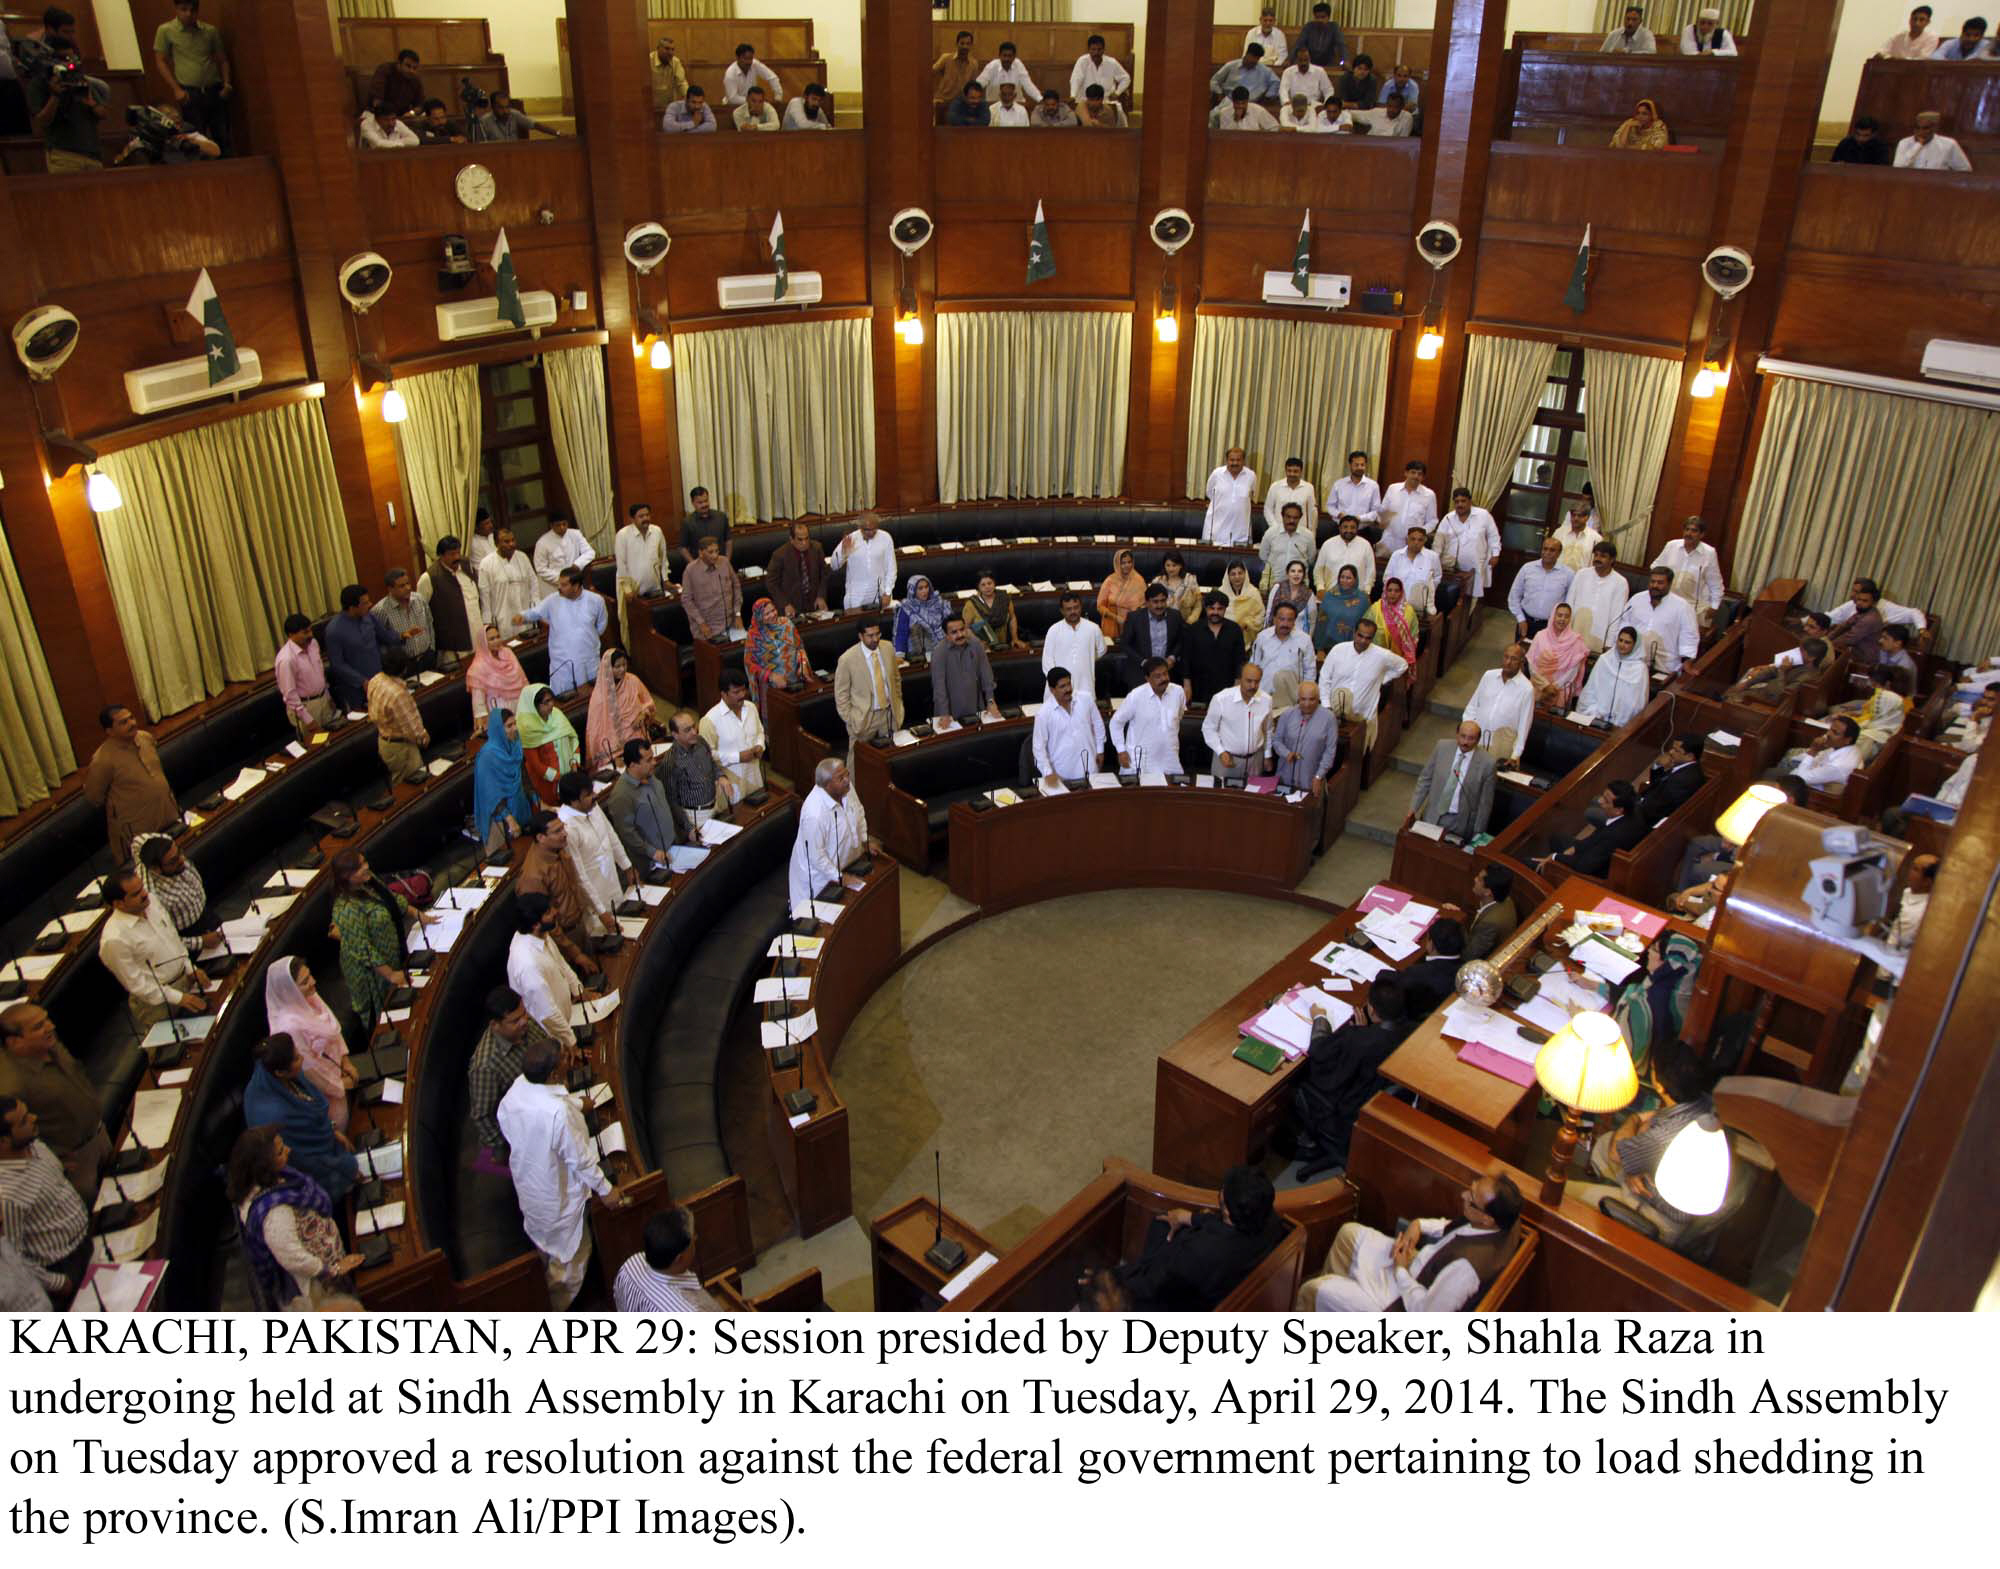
1746, 811
1585, 1065
663, 357
101, 492
1693, 1174
1429, 344
394, 410
1167, 328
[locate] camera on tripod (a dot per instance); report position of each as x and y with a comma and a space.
471, 97
153, 128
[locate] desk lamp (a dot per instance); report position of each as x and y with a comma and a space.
1693, 1174
1743, 814
1586, 1069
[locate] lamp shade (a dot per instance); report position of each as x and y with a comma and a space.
662, 356
101, 492
1693, 1174
1585, 1065
394, 410
1746, 811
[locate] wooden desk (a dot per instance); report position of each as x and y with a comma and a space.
1590, 95
1965, 92
904, 1281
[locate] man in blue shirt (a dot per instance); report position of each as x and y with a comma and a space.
353, 644
1250, 72
1970, 44
576, 622
1538, 588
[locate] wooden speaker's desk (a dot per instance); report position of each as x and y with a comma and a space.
905, 1281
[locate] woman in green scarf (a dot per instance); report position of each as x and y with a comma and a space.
549, 747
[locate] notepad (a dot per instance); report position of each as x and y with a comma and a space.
788, 946
1427, 830
168, 1031
826, 914
631, 927
135, 1189
598, 1094
294, 749
175, 1076
1152, 779
392, 1092
775, 1033
132, 1241
903, 738
437, 767
1043, 588
1104, 781
612, 1139
33, 966
1204, 781
384, 1160
292, 877
247, 779
656, 893
789, 988
966, 1276
383, 1217
468, 898
1604, 961
1515, 776
320, 737
590, 1010
429, 678
800, 1120
72, 923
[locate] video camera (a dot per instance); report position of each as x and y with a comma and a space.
471, 96
155, 129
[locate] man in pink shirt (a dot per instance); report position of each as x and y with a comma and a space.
302, 679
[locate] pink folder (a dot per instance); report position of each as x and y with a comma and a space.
1382, 897
1647, 926
1497, 1062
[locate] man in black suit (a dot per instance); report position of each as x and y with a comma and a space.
1212, 651
1342, 1073
1614, 825
1154, 633
1493, 917
1435, 976
1191, 1262
1674, 778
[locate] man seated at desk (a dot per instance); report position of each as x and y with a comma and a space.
1436, 1266
1191, 1262
1612, 824
1434, 977
1342, 1072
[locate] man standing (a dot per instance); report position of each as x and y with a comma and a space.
400, 733
603, 869
1321, 38
950, 72
869, 556
798, 573
867, 691
1538, 588
1455, 789
1094, 68
175, 885
961, 675
648, 821
1352, 676
550, 870
1009, 68
1925, 149
189, 56
1286, 540
562, 546
1146, 730
40, 1213
1470, 539
1075, 645
1069, 734
711, 594
301, 678
1356, 493
670, 78
1434, 1266
1346, 549
143, 952
1632, 38
1663, 621
748, 72
553, 1161
1250, 73
660, 1277
537, 969
66, 112
1406, 505
397, 85
449, 589
1305, 742
408, 614
701, 522
1156, 632
1417, 567
1696, 568
832, 830
496, 1064
126, 780
507, 583
734, 732
1212, 650
1919, 43
355, 644
1229, 491
1577, 538
1503, 706
1597, 597
640, 551
576, 622
1285, 654
37, 1068
1237, 726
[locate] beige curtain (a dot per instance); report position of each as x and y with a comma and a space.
225, 530
1666, 18
1826, 505
34, 744
778, 421
437, 449
1004, 11
1504, 382
1628, 416
574, 380
1032, 403
375, 8
675, 10
1352, 15
1283, 389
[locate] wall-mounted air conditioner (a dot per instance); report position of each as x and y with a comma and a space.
1330, 291
477, 318
751, 290
1974, 364
169, 386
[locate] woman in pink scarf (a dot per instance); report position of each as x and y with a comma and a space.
1555, 661
494, 678
294, 1007
621, 710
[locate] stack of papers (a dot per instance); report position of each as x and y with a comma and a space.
183, 1028
786, 946
788, 1032
1515, 776
656, 893
1350, 962
272, 905
1104, 781
439, 766
138, 1187
117, 1246
1560, 988
295, 749
243, 935
903, 738
247, 779
33, 966
612, 1139
631, 927
1152, 779
716, 831
598, 1094
590, 1010
469, 898
384, 1160
117, 1288
439, 935
1427, 830
683, 858
383, 1217
1604, 961
1645, 924
789, 988
392, 1092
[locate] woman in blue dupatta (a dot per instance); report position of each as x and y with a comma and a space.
289, 1233
279, 1093
1340, 611
920, 619
500, 800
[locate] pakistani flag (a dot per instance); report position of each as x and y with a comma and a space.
1302, 257
1041, 260
778, 263
217, 342
509, 288
1577, 295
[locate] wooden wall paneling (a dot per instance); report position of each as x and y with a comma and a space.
412, 192
1591, 95
1896, 91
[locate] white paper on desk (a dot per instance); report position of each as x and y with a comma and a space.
1285, 1028
612, 1139
598, 1094
272, 905
1043, 588
178, 1028
1582, 721
1355, 964
1563, 990
1544, 1014
153, 1113
1397, 948
357, 716
789, 988
243, 943
902, 738
1104, 781
33, 966
1307, 998
1336, 983
1725, 738
384, 1160
129, 1243
967, 1276
247, 779
175, 1076
383, 1217
1605, 962
295, 749
738, 635
656, 893
1070, 539
685, 857
463, 898
751, 572
786, 946
392, 1092
1058, 788
437, 767
716, 831
1515, 776
429, 677
69, 925
141, 1185
788, 1032
592, 1010
800, 1120
114, 1288
1081, 585
419, 979
632, 927
1427, 830
991, 544
826, 914
249, 928
1004, 797
293, 877
1029, 710
944, 724
441, 934
1106, 539
1204, 781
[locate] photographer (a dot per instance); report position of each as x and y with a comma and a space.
64, 105
159, 137
190, 58
434, 127
499, 121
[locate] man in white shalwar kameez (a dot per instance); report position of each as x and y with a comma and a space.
603, 869
1436, 1266
734, 731
832, 829
1503, 706
1146, 730
553, 1162
538, 972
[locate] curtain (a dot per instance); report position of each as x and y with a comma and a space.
34, 743
778, 421
574, 381
1826, 504
1504, 382
377, 8
675, 10
1003, 11
437, 448
225, 530
1032, 403
1283, 389
1666, 18
1353, 16
1628, 418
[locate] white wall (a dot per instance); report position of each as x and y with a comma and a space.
836, 35
1865, 26
523, 30
116, 32
1550, 16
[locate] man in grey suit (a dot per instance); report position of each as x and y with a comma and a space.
961, 675
1305, 742
1455, 789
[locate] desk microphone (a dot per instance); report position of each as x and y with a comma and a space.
945, 1254
116, 1217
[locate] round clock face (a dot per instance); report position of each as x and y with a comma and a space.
476, 187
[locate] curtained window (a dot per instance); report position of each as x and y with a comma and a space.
1007, 11
778, 421
225, 530
1032, 403
675, 10
1352, 15
520, 482
1630, 422
438, 449
579, 432
35, 752
1553, 464
1507, 384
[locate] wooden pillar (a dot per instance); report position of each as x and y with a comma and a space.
1173, 171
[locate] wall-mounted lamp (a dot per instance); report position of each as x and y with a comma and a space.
100, 490
394, 410
909, 325
1167, 321
662, 357
1708, 381
1430, 345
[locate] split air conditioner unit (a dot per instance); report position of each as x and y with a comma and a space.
477, 318
161, 387
1973, 364
754, 290
1330, 291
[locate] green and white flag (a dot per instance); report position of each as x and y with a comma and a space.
217, 341
1041, 260
1577, 295
779, 265
1302, 257
508, 286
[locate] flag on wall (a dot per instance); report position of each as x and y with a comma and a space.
218, 343
1041, 260
778, 262
509, 288
1577, 295
1302, 257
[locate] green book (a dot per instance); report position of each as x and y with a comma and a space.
1261, 1055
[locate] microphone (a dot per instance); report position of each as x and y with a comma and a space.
945, 1254
116, 1217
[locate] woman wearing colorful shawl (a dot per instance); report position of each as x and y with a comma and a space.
773, 655
1618, 684
1123, 593
279, 1094
294, 1007
1645, 132
549, 746
500, 800
289, 1234
1294, 589
371, 924
1341, 609
1395, 622
989, 616
920, 619
621, 710
1654, 1005
1556, 659
1246, 605
1183, 592
494, 678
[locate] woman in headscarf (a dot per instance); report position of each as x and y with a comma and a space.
773, 654
1246, 605
372, 927
1183, 592
500, 799
495, 678
1556, 659
279, 1093
989, 616
1395, 622
1618, 687
621, 710
920, 619
1654, 1005
549, 747
294, 1007
1645, 132
289, 1233
1123, 593
1294, 589
1341, 609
